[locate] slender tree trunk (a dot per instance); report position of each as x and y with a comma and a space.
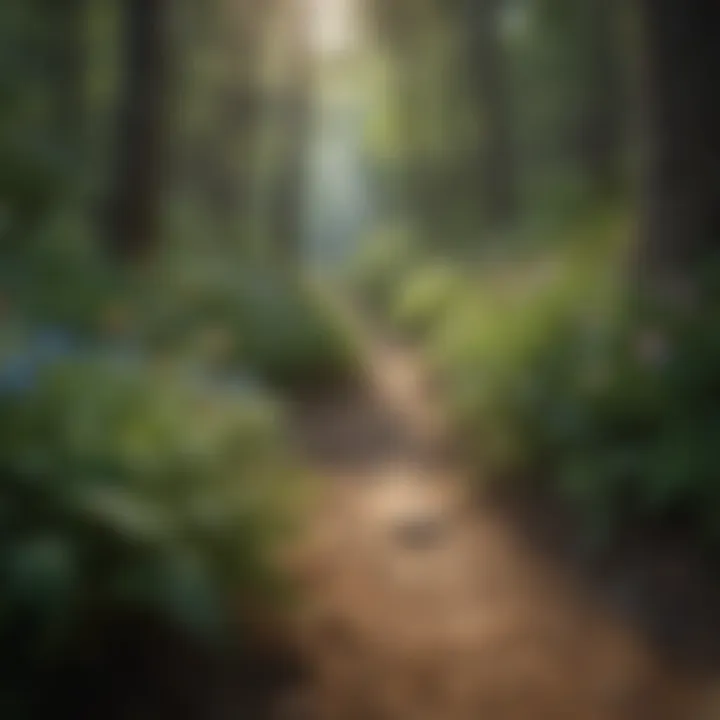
137, 202
600, 140
243, 37
66, 58
681, 228
496, 162
406, 27
291, 190
297, 119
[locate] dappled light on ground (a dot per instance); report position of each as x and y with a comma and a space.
419, 603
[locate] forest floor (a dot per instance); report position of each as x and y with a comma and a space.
422, 603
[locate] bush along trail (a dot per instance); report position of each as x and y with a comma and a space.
144, 487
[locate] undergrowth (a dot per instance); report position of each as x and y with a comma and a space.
559, 373
143, 461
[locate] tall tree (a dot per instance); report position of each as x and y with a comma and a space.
682, 201
599, 134
574, 82
495, 169
415, 37
136, 205
239, 44
66, 45
297, 107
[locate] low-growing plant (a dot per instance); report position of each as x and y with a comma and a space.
558, 372
220, 310
423, 300
263, 322
382, 266
125, 485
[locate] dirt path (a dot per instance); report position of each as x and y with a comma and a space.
421, 607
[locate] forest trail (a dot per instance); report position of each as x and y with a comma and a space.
420, 605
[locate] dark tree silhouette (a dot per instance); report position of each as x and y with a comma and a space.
496, 162
136, 205
66, 24
682, 184
296, 109
600, 129
232, 148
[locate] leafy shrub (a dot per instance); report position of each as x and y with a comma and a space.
262, 322
424, 299
487, 343
252, 320
124, 485
293, 341
642, 444
558, 373
60, 279
381, 268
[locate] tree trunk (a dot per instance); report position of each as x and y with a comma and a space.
243, 38
496, 163
66, 57
137, 202
600, 132
681, 228
297, 120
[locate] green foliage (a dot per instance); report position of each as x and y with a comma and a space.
557, 374
491, 339
381, 267
425, 298
251, 319
644, 436
127, 485
227, 313
295, 343
61, 279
